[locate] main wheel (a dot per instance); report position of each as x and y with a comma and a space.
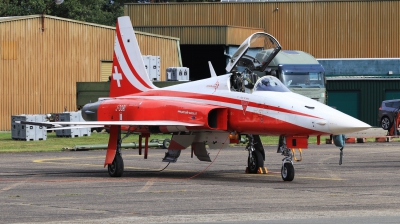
117, 167
255, 161
385, 123
166, 143
287, 172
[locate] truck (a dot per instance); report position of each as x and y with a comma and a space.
298, 70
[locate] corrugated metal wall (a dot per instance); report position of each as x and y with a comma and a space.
372, 93
210, 35
325, 29
41, 77
39, 70
165, 47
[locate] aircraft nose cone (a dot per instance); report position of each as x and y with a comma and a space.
346, 124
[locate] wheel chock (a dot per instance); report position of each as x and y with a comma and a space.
261, 170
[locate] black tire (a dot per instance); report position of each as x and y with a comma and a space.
287, 172
255, 162
385, 123
117, 167
166, 143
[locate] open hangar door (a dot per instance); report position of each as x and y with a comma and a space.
196, 58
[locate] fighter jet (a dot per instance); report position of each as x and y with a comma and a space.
210, 112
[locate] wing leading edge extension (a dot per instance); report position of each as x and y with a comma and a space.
61, 125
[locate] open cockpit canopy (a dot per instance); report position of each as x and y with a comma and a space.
256, 42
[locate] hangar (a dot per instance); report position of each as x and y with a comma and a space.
42, 58
42, 61
325, 29
364, 33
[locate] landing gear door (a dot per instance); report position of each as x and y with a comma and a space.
214, 140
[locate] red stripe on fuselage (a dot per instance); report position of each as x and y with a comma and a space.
254, 123
170, 93
128, 61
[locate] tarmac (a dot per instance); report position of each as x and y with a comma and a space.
73, 187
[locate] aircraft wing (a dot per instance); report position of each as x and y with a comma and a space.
81, 124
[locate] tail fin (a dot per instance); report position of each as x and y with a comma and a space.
128, 72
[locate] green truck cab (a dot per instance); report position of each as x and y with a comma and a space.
299, 71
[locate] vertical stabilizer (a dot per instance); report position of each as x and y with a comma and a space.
128, 71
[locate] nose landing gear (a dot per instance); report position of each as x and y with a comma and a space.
287, 170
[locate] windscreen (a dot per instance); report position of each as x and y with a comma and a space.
270, 83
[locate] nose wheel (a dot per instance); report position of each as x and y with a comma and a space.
287, 172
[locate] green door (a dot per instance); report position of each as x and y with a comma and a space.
345, 101
392, 94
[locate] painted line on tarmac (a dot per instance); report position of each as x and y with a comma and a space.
12, 186
146, 186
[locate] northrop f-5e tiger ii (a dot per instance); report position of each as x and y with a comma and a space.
211, 111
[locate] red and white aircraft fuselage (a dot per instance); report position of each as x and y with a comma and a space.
209, 110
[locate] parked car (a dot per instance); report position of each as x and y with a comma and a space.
387, 112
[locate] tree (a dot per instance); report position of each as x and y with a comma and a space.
95, 11
103, 12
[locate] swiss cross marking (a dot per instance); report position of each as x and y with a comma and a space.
117, 76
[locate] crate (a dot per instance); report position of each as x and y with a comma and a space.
152, 65
178, 74
72, 132
28, 132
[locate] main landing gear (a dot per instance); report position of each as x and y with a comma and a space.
287, 170
116, 168
114, 155
255, 161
